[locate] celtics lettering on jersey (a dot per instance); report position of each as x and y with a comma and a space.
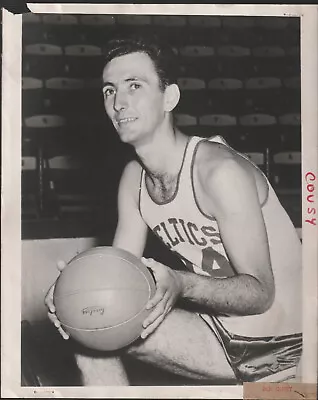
178, 234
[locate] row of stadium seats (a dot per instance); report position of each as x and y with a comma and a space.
81, 180
74, 163
179, 30
66, 36
215, 84
192, 51
199, 21
243, 122
239, 77
198, 98
73, 188
220, 67
197, 105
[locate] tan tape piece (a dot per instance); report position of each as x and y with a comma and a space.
279, 391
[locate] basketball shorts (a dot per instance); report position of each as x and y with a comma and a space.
257, 358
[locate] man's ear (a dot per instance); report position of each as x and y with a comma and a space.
172, 97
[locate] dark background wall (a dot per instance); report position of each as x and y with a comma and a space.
239, 77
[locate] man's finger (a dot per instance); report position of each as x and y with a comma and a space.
151, 328
158, 296
53, 318
49, 299
64, 335
61, 265
161, 308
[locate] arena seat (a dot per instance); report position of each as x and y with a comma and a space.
169, 20
259, 131
188, 124
33, 32
220, 124
269, 37
102, 20
59, 19
201, 68
233, 51
293, 51
84, 61
29, 187
257, 158
32, 95
172, 28
41, 129
277, 24
292, 82
225, 95
287, 172
204, 30
74, 184
286, 178
65, 94
134, 20
292, 65
290, 131
290, 119
196, 51
43, 49
263, 95
193, 95
240, 55
48, 67
196, 60
260, 160
294, 23
205, 22
257, 119
268, 51
31, 18
238, 23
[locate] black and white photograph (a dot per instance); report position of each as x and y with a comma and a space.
162, 204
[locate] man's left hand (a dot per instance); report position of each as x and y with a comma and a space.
168, 290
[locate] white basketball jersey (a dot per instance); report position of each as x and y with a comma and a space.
195, 237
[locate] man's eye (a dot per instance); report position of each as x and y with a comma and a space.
135, 86
108, 92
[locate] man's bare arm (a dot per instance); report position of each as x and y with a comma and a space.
233, 197
131, 231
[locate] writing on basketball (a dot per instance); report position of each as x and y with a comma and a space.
93, 310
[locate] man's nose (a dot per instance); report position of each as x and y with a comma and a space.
120, 101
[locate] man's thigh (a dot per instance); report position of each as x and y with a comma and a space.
185, 345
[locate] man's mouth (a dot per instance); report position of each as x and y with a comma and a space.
125, 120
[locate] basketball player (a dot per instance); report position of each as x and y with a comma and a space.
218, 212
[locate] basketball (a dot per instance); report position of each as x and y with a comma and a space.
100, 298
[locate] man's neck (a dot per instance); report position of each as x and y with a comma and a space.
162, 157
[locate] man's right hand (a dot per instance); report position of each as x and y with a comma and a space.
50, 305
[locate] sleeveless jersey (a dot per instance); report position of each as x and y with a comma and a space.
195, 238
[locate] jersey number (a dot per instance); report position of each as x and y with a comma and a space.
214, 263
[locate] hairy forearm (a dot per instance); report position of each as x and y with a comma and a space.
238, 295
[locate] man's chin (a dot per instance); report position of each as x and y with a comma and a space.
127, 137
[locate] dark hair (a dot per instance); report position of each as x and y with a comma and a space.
162, 55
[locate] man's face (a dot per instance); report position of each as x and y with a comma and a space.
132, 96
